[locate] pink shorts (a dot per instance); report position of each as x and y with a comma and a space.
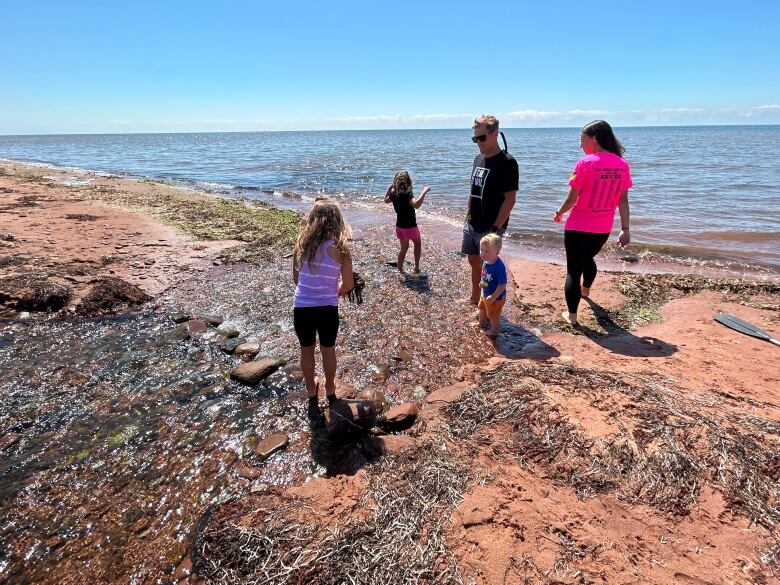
408, 233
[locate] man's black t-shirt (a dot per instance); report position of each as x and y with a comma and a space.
405, 216
490, 179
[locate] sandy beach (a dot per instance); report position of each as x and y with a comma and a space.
643, 447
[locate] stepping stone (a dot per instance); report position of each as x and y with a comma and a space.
271, 445
252, 372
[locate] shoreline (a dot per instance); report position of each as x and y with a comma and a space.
545, 247
649, 374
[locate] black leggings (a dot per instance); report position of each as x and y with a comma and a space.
581, 248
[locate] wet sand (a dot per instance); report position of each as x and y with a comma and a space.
641, 448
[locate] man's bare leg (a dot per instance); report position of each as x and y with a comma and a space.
476, 274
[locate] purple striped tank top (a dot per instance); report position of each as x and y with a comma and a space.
318, 282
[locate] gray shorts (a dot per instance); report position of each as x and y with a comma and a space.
471, 237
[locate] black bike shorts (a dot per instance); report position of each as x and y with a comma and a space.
312, 322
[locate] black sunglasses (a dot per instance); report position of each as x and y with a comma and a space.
481, 137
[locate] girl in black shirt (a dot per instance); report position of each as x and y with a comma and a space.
403, 200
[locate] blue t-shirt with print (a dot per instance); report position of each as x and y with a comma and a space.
492, 276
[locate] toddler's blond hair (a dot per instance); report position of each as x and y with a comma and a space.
492, 240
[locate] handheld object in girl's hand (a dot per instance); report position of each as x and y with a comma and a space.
356, 294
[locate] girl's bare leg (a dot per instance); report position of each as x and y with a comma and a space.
402, 254
307, 365
417, 253
329, 367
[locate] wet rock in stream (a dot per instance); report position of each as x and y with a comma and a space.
252, 372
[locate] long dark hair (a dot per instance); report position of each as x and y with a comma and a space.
604, 136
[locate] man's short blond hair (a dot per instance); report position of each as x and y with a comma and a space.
489, 120
492, 240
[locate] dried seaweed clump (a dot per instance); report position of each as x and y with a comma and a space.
400, 539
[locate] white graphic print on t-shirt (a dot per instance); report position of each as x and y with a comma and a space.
478, 180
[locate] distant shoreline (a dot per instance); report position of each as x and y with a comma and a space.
440, 224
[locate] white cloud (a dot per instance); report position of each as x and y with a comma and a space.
533, 115
770, 107
682, 110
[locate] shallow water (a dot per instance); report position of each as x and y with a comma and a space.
702, 191
129, 433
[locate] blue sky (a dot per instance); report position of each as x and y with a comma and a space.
165, 66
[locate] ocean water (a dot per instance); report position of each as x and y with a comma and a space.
707, 192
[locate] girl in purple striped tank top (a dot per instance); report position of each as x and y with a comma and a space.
321, 256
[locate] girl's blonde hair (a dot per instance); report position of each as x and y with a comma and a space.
324, 222
402, 182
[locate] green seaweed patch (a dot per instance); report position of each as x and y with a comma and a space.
208, 218
646, 293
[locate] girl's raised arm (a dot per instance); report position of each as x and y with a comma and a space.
389, 195
419, 200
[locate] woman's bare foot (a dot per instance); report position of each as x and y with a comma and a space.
416, 270
585, 291
570, 318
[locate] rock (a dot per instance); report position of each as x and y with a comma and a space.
109, 293
53, 542
230, 345
252, 372
346, 419
180, 332
179, 317
33, 293
228, 332
183, 570
196, 327
394, 444
8, 440
271, 444
183, 392
248, 472
445, 395
289, 373
398, 418
212, 320
250, 349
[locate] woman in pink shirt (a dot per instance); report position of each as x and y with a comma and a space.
598, 185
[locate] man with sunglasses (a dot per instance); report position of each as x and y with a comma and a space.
494, 182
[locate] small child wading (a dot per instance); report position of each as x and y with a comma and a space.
403, 200
492, 283
321, 256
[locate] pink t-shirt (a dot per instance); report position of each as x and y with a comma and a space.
600, 179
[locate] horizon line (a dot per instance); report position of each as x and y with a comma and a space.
374, 130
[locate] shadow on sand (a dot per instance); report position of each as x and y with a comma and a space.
418, 283
348, 453
619, 340
515, 341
